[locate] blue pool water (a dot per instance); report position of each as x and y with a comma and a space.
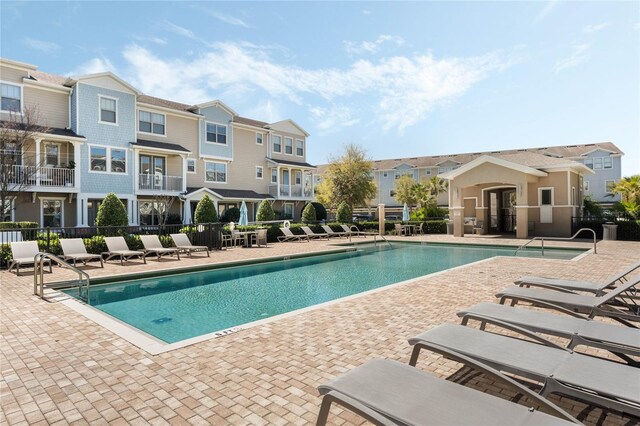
181, 306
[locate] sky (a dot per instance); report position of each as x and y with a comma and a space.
401, 79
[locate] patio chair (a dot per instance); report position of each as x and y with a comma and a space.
312, 234
117, 247
400, 230
22, 253
579, 329
237, 237
74, 249
354, 231
387, 392
578, 285
478, 228
330, 232
618, 303
290, 236
152, 245
260, 237
560, 370
183, 244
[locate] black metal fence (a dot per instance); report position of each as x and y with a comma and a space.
628, 227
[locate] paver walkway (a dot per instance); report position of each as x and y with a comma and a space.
57, 367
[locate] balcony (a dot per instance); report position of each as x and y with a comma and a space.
291, 191
49, 177
159, 183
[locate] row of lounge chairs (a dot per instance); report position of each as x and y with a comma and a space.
74, 250
388, 392
347, 231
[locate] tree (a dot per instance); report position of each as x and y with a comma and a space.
344, 213
112, 212
232, 214
163, 205
265, 212
321, 212
18, 173
348, 178
404, 190
437, 186
309, 214
205, 211
422, 195
629, 190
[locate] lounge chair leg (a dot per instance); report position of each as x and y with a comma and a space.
414, 355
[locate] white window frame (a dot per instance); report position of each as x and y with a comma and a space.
100, 97
261, 169
164, 117
43, 153
587, 161
259, 136
126, 166
392, 193
586, 185
303, 148
21, 87
226, 171
295, 177
604, 165
284, 209
428, 171
12, 209
61, 199
195, 166
287, 138
274, 173
385, 174
552, 189
606, 185
108, 159
226, 129
273, 143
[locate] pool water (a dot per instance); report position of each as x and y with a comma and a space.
177, 307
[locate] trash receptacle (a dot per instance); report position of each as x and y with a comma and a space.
449, 228
609, 232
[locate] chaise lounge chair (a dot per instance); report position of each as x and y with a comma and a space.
152, 245
117, 247
354, 231
74, 249
22, 253
618, 303
312, 234
330, 232
183, 244
579, 329
560, 370
387, 392
290, 236
577, 285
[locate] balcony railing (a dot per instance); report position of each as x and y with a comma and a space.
41, 176
293, 191
159, 182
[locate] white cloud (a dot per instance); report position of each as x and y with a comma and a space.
151, 39
595, 27
545, 11
94, 66
366, 12
177, 29
579, 54
353, 47
333, 118
45, 46
265, 111
228, 19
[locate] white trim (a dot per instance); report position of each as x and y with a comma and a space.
49, 87
163, 150
272, 125
493, 160
261, 172
21, 87
226, 134
304, 148
108, 160
207, 157
226, 172
44, 145
76, 79
169, 111
553, 190
218, 104
48, 198
274, 144
100, 110
195, 166
12, 209
22, 66
285, 145
164, 116
261, 138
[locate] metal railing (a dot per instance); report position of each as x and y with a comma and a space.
157, 182
41, 176
290, 191
38, 275
595, 250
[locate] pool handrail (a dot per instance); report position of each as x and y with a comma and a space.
38, 272
595, 250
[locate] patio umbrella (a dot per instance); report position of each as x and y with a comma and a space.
244, 221
405, 213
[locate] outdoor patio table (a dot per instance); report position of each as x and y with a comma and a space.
247, 237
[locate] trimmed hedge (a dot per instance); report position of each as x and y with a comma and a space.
627, 230
18, 225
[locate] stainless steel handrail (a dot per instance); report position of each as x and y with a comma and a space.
595, 250
38, 272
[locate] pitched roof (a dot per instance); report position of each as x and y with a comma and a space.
160, 145
48, 78
56, 131
249, 121
290, 163
237, 194
165, 103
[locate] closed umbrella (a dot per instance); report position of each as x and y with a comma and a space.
244, 221
405, 213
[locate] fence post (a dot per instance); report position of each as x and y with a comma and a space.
48, 239
209, 236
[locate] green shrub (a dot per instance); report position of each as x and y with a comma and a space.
344, 213
435, 227
205, 211
173, 219
321, 211
231, 215
5, 255
18, 225
309, 214
265, 212
112, 212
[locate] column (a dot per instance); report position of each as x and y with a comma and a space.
136, 170
81, 210
381, 219
457, 210
76, 160
184, 173
522, 210
38, 162
186, 211
278, 182
132, 213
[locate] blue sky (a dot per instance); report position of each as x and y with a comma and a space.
400, 79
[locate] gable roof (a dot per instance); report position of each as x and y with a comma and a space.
493, 160
74, 79
165, 103
229, 194
288, 120
249, 121
217, 103
164, 146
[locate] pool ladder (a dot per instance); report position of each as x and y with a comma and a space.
84, 281
595, 250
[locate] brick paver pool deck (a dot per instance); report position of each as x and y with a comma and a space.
58, 367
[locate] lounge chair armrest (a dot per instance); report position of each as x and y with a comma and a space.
558, 308
490, 371
352, 405
488, 320
548, 286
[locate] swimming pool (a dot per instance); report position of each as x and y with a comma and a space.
181, 306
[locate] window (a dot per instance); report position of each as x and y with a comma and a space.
108, 108
12, 154
299, 148
150, 212
608, 184
546, 197
588, 162
597, 163
151, 122
191, 165
274, 175
258, 172
277, 143
428, 171
98, 161
385, 174
215, 172
288, 210
586, 186
259, 138
216, 133
6, 211
52, 213
392, 193
607, 162
11, 98
288, 146
298, 177
51, 155
118, 160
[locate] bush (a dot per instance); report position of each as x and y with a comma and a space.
344, 213
173, 219
435, 227
309, 214
265, 212
205, 211
112, 212
321, 212
231, 215
18, 225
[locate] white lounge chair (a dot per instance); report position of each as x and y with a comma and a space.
183, 243
74, 249
290, 236
330, 232
312, 234
152, 245
117, 247
22, 253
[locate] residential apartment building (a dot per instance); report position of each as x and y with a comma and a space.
100, 134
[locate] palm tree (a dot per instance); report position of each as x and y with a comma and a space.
629, 190
421, 194
437, 186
